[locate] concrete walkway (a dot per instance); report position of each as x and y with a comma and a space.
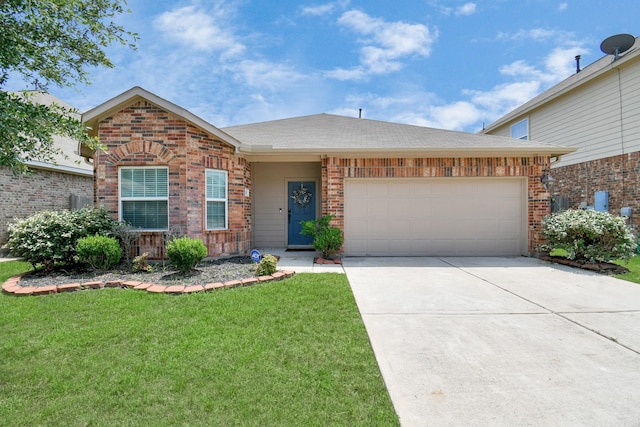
301, 261
501, 341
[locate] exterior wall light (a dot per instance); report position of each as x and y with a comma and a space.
546, 179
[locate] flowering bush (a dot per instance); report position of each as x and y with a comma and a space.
49, 238
588, 236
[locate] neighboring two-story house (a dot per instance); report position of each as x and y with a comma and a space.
64, 185
597, 112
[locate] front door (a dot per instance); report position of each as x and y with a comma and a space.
302, 207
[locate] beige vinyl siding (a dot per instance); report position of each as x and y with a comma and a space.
589, 118
270, 195
630, 82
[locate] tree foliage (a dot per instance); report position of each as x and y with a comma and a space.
48, 42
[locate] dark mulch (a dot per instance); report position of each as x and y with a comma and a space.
602, 267
210, 271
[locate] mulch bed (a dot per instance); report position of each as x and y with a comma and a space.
602, 267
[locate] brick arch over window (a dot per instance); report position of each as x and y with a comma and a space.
139, 149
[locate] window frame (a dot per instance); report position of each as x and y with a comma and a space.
208, 199
523, 136
122, 199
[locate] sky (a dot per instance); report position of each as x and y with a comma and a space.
440, 63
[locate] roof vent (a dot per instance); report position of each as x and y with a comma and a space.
615, 45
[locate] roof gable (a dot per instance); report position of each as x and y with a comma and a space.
112, 106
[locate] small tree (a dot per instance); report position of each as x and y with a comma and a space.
326, 239
588, 236
47, 42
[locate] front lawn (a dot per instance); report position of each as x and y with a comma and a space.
633, 264
293, 352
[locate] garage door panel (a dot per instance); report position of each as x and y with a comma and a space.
434, 217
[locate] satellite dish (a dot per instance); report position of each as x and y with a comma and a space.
615, 45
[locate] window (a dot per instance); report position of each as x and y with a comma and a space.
216, 199
520, 130
144, 197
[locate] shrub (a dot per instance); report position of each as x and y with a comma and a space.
100, 252
128, 235
140, 263
267, 266
588, 236
49, 238
185, 253
326, 239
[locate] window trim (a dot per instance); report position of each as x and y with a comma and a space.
144, 199
216, 199
525, 136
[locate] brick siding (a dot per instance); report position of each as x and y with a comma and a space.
24, 195
145, 135
619, 175
335, 170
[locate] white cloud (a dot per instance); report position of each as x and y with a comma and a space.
466, 9
198, 30
563, 6
536, 34
325, 9
385, 44
265, 75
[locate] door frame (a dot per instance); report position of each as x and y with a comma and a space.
318, 202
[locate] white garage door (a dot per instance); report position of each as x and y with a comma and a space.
435, 217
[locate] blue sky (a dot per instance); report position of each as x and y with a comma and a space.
440, 63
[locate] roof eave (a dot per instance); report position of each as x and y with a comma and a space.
267, 152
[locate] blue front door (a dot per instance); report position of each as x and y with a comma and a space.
302, 207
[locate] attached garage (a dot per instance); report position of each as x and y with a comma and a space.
435, 217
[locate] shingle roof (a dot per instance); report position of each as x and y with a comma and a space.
331, 133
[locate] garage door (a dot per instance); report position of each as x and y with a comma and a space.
435, 217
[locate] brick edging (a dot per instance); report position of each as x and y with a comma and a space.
12, 286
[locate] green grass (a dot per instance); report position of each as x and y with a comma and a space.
293, 352
13, 268
633, 264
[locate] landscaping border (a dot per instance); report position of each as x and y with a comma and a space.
12, 286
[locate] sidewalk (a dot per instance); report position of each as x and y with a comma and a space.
300, 261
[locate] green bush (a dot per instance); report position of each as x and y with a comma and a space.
185, 253
100, 252
267, 266
326, 239
588, 236
49, 238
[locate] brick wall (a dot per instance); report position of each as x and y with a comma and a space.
24, 195
145, 135
619, 175
335, 170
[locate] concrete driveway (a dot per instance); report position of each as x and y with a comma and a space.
501, 341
